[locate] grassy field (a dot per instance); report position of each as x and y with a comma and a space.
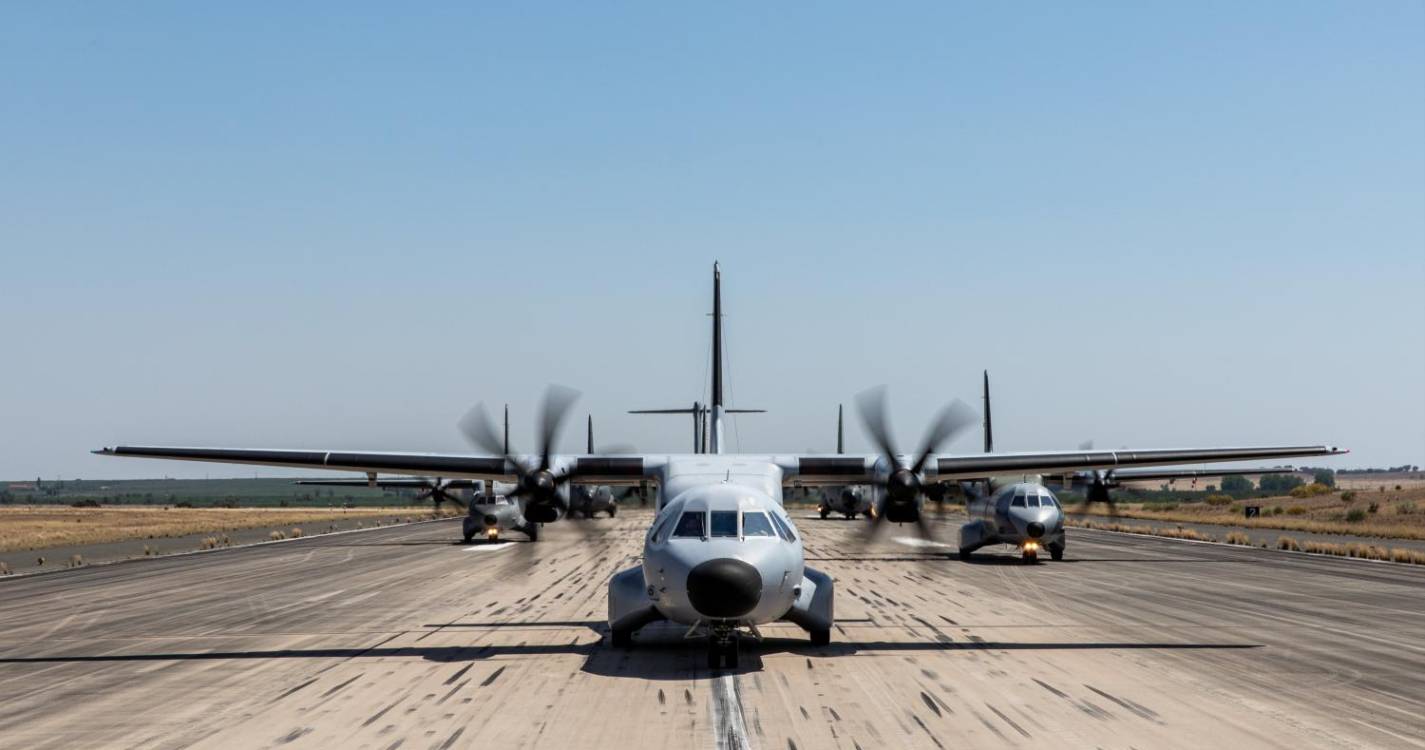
45, 526
1369, 511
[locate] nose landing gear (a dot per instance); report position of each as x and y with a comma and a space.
723, 641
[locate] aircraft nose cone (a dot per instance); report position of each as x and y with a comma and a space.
724, 588
1034, 529
491, 520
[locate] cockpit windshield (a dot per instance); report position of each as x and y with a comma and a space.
756, 524
1017, 502
724, 523
690, 525
783, 528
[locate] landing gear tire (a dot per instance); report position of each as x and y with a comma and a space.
532, 531
469, 538
1056, 553
722, 650
613, 511
824, 513
1030, 558
965, 555
821, 637
621, 638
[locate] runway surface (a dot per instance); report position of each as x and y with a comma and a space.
398, 638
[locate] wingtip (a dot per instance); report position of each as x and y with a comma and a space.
106, 451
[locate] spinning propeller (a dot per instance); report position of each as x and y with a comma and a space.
545, 492
903, 488
1096, 485
439, 492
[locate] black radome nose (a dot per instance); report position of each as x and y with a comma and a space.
1034, 529
491, 520
724, 588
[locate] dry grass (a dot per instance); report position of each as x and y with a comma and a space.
1395, 517
1171, 533
1354, 549
40, 527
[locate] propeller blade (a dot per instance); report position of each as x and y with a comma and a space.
558, 400
479, 431
871, 406
952, 419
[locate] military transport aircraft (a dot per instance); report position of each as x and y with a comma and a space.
1021, 511
850, 500
721, 553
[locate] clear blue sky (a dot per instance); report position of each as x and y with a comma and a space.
1156, 224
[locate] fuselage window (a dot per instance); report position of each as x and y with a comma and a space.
1017, 502
690, 525
724, 523
756, 524
783, 528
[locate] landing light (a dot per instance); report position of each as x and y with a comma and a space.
492, 533
1031, 546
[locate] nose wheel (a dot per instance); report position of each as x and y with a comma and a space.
722, 647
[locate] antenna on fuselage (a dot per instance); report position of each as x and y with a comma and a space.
989, 430
590, 450
507, 429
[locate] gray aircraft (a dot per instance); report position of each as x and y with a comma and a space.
850, 500
1019, 510
589, 500
721, 555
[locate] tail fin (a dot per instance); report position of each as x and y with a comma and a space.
989, 429
716, 426
840, 430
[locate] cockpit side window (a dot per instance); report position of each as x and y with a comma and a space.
690, 525
1049, 501
660, 530
756, 524
1018, 501
724, 523
783, 528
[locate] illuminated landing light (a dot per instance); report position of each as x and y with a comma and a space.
1031, 546
492, 534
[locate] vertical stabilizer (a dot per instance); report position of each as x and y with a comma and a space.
715, 433
989, 430
840, 430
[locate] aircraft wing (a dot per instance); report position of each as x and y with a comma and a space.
1129, 475
586, 469
414, 484
814, 470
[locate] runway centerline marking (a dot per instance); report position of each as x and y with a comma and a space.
489, 547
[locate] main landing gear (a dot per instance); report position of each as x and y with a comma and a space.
723, 641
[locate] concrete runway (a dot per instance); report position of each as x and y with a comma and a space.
398, 638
